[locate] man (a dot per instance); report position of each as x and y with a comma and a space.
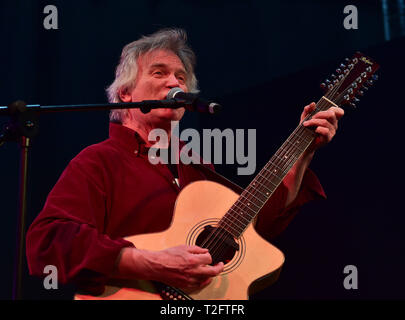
110, 190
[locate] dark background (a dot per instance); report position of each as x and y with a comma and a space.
263, 60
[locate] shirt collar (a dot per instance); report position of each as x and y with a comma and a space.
127, 138
130, 140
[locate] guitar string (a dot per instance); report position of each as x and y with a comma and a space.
286, 166
212, 237
219, 249
293, 157
265, 176
338, 101
279, 156
245, 194
215, 251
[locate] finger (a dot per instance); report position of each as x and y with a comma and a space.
319, 123
328, 115
308, 109
325, 130
196, 249
208, 271
213, 271
339, 112
333, 113
219, 267
325, 134
201, 259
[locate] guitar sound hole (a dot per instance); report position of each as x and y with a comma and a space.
221, 245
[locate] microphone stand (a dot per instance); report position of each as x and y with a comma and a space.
22, 127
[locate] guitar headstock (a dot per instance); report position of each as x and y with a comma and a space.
353, 77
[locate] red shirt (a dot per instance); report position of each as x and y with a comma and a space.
110, 190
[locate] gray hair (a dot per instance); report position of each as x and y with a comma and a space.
126, 72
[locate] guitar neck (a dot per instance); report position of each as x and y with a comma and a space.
257, 193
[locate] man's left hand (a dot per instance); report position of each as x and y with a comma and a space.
326, 123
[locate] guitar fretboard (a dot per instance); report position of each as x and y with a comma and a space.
263, 186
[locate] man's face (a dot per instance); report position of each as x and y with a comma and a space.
158, 72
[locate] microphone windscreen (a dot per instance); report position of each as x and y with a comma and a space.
172, 92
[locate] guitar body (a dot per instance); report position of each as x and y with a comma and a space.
254, 266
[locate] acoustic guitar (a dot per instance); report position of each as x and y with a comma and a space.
223, 221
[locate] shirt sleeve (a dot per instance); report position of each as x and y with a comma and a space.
274, 218
68, 232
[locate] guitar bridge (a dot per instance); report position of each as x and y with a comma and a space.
171, 293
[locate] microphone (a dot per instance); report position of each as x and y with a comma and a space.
193, 102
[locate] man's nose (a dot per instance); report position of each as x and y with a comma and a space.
172, 81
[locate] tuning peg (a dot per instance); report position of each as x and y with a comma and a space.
327, 81
365, 88
338, 71
347, 60
342, 66
374, 77
333, 76
360, 93
323, 85
370, 82
356, 100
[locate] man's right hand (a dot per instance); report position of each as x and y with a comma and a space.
183, 266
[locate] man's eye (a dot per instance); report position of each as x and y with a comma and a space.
158, 73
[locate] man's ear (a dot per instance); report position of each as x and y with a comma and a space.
125, 96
